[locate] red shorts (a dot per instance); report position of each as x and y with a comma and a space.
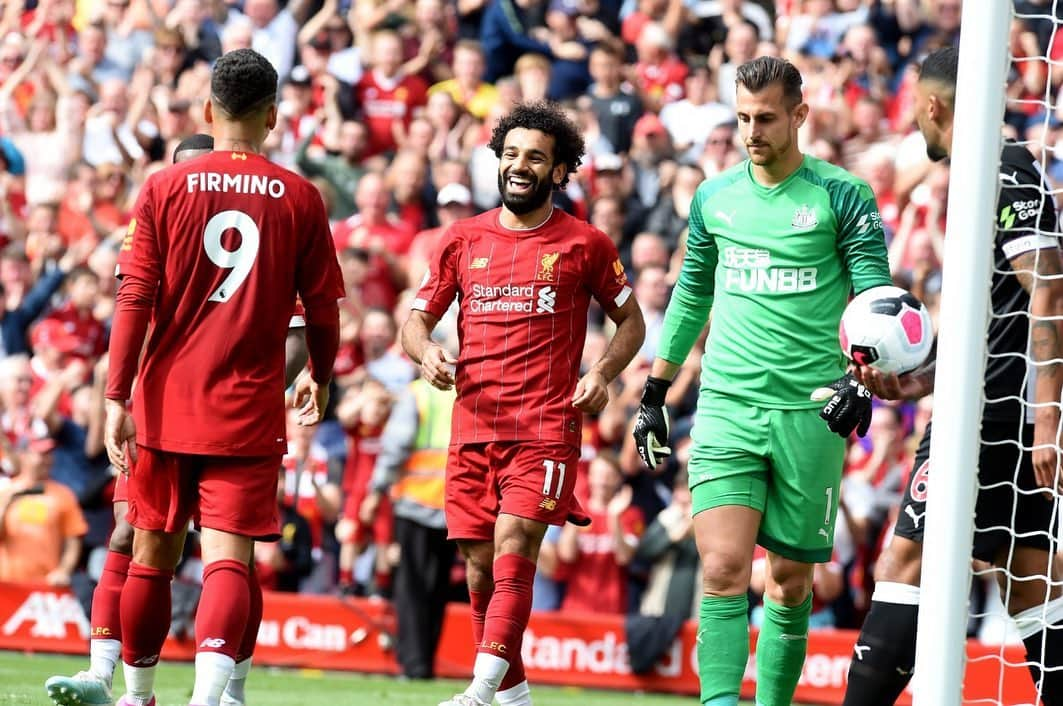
529, 479
121, 489
380, 531
231, 494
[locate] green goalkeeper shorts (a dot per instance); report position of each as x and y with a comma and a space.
783, 462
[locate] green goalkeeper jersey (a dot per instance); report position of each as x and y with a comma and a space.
779, 262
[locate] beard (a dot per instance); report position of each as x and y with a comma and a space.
936, 153
768, 154
520, 204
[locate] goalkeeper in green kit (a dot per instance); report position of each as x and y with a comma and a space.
776, 246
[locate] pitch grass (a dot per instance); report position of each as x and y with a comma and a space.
22, 684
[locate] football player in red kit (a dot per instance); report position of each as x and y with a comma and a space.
93, 687
525, 274
217, 251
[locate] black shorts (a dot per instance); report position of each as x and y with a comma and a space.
1001, 514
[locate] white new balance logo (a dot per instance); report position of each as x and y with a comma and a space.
213, 643
860, 650
547, 299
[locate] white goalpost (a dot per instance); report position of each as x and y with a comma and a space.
964, 314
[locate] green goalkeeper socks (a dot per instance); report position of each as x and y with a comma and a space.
723, 648
722, 701
781, 651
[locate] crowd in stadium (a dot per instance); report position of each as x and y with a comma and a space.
387, 106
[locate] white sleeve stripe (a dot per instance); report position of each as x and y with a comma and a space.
1027, 243
420, 304
623, 296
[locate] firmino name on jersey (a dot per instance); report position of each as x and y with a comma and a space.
253, 184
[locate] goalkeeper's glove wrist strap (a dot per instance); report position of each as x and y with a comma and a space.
654, 392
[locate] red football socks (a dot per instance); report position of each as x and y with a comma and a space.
254, 618
507, 614
107, 598
145, 614
478, 602
224, 608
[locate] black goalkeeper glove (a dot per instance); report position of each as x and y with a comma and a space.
651, 425
848, 406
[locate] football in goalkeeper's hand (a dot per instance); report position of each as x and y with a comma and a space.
888, 329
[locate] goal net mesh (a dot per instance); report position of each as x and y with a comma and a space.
1033, 118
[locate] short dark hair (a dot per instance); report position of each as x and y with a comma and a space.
243, 83
549, 118
193, 143
940, 66
758, 74
79, 272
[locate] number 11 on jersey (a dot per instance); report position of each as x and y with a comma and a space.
547, 483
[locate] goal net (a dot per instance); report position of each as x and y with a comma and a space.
996, 666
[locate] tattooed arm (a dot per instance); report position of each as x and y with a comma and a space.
1041, 274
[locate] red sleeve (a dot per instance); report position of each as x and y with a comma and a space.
132, 313
139, 255
139, 266
320, 286
322, 342
418, 94
317, 276
440, 283
605, 272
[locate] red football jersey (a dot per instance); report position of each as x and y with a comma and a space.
596, 583
385, 100
522, 321
227, 240
300, 481
88, 337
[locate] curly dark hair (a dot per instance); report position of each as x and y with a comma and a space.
243, 82
547, 117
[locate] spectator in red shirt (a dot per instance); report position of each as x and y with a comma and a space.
659, 73
388, 97
53, 346
454, 202
362, 413
87, 336
17, 420
384, 237
406, 180
596, 556
310, 489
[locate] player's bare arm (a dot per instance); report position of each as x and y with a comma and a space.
890, 386
436, 364
1041, 275
592, 390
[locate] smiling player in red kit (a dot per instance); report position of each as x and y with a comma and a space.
525, 273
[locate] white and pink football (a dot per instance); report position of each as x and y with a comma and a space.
887, 328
